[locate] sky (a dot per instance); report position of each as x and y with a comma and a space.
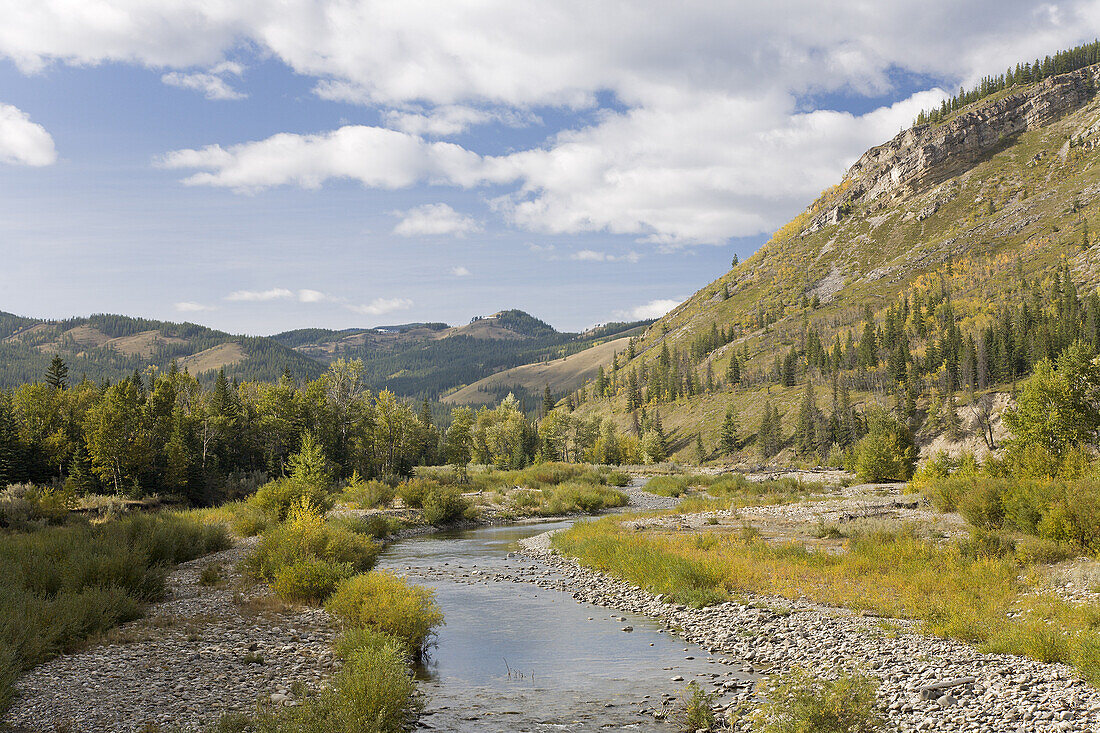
264, 165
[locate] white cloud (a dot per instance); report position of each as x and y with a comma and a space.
260, 295
312, 296
460, 271
188, 306
211, 85
708, 136
434, 220
380, 306
590, 255
23, 142
374, 156
652, 309
453, 119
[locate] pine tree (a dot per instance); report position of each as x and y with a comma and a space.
733, 371
700, 451
768, 434
729, 440
547, 401
805, 436
57, 375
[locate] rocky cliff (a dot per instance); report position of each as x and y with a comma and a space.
925, 155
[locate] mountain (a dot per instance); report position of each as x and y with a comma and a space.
412, 360
971, 221
111, 347
432, 359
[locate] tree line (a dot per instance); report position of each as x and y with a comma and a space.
1062, 62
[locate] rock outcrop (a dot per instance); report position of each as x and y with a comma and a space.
925, 155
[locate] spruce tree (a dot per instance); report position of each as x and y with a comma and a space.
805, 436
728, 439
547, 401
57, 375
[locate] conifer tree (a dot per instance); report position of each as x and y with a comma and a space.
729, 440
57, 375
805, 435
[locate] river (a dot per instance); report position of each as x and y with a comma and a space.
513, 656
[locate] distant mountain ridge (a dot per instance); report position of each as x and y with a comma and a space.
413, 359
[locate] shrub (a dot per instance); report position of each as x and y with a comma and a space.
886, 452
59, 585
414, 491
278, 496
367, 494
572, 497
982, 505
373, 692
307, 538
982, 544
696, 713
26, 506
211, 574
309, 580
799, 702
383, 602
618, 478
673, 486
444, 504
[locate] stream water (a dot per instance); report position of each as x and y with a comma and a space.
513, 656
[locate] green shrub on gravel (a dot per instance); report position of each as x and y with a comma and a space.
305, 556
799, 702
385, 603
60, 585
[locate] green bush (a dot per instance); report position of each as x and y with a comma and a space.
278, 496
571, 498
309, 580
444, 505
374, 692
799, 702
696, 713
618, 478
673, 486
385, 603
27, 507
1060, 510
367, 494
414, 491
306, 554
886, 452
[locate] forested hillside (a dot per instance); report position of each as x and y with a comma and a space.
109, 347
431, 359
934, 276
423, 360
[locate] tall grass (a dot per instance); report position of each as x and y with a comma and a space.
974, 597
60, 585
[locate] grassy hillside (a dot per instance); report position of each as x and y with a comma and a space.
560, 375
985, 230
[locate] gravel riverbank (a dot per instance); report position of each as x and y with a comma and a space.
770, 634
205, 651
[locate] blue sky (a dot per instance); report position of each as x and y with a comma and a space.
343, 164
